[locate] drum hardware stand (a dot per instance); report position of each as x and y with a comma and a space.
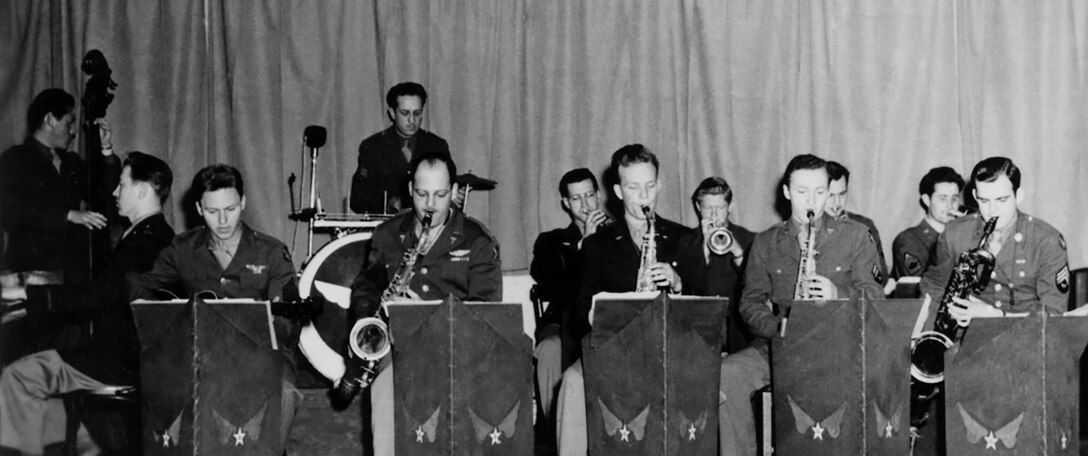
313, 137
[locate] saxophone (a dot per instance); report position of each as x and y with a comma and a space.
369, 338
649, 254
806, 267
970, 275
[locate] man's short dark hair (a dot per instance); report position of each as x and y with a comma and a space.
803, 161
432, 159
991, 168
217, 177
49, 101
939, 175
405, 89
713, 185
836, 171
575, 176
631, 154
149, 169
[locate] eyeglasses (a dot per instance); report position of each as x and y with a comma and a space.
583, 197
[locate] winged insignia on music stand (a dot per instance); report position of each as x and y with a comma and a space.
976, 432
804, 423
251, 430
426, 430
505, 428
689, 428
613, 425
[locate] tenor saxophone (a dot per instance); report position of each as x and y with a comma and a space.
369, 338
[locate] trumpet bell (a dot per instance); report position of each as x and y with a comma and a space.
719, 241
369, 339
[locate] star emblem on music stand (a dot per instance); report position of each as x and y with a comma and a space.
691, 431
1065, 441
624, 433
991, 441
817, 432
165, 439
419, 434
888, 430
239, 437
495, 436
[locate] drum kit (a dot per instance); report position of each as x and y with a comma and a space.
331, 270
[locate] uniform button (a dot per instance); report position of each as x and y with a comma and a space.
997, 287
1018, 237
838, 268
223, 280
1011, 286
997, 304
993, 275
426, 288
777, 271
1021, 273
422, 270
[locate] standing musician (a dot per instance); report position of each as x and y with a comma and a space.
611, 260
1032, 269
31, 415
843, 269
461, 259
380, 182
712, 200
555, 268
228, 258
836, 207
913, 249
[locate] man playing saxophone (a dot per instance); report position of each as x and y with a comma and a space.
844, 255
616, 259
458, 257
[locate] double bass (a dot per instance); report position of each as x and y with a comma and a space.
97, 96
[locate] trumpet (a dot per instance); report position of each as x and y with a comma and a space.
718, 238
649, 254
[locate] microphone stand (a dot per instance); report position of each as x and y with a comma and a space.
312, 210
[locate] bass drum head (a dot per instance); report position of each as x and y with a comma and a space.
323, 342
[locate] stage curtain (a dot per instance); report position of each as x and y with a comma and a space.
526, 90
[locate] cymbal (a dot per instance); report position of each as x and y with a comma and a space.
476, 182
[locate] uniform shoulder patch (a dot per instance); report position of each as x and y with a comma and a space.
878, 275
1061, 279
912, 264
286, 254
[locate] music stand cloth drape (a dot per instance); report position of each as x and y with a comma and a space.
524, 91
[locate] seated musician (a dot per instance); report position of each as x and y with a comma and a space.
555, 268
843, 269
725, 270
31, 414
610, 262
459, 258
1031, 270
381, 178
913, 249
231, 260
837, 197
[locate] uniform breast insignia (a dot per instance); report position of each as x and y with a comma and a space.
1061, 279
426, 430
459, 255
912, 264
171, 435
635, 428
251, 430
887, 427
505, 428
804, 423
976, 432
688, 428
257, 269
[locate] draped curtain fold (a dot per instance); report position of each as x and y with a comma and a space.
524, 91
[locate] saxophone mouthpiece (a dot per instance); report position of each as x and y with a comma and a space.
426, 222
646, 211
811, 216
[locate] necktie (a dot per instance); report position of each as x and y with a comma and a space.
996, 240
407, 151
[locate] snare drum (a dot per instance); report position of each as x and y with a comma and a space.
341, 224
331, 270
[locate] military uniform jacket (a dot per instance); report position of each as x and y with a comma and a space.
913, 250
463, 262
261, 269
868, 222
34, 202
386, 169
112, 354
555, 268
845, 255
1031, 271
610, 262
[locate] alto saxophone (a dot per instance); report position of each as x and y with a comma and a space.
649, 254
806, 267
970, 275
369, 338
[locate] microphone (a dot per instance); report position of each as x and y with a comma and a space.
314, 136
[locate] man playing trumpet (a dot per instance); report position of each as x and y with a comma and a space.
913, 249
724, 245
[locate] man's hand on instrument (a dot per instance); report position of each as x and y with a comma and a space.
91, 220
593, 222
548, 355
665, 276
104, 133
963, 310
412, 296
820, 287
459, 198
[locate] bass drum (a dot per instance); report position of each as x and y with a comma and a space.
324, 341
